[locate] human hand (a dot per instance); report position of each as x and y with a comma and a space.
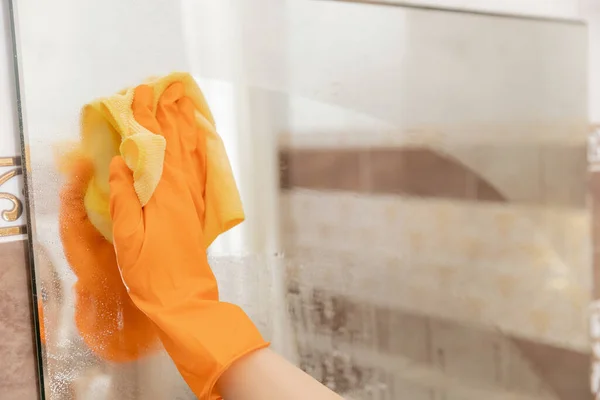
161, 249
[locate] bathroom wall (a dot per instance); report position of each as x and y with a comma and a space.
378, 183
17, 345
590, 10
441, 186
444, 274
448, 212
87, 50
586, 10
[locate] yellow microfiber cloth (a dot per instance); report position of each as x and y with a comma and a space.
109, 128
109, 322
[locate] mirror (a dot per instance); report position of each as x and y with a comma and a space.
413, 182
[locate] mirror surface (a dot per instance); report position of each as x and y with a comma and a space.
413, 181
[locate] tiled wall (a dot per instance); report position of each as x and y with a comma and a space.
480, 262
410, 252
462, 172
443, 198
438, 181
17, 350
594, 195
18, 377
358, 347
52, 35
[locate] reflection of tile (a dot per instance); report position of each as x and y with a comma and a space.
417, 172
551, 175
469, 353
484, 191
410, 337
596, 273
566, 372
323, 169
411, 171
466, 353
514, 170
521, 374
469, 156
577, 237
594, 192
388, 171
18, 379
403, 334
484, 261
563, 175
408, 390
339, 372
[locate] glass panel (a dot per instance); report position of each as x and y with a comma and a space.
413, 182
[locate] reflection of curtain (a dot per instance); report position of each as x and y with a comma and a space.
248, 119
221, 98
213, 32
246, 260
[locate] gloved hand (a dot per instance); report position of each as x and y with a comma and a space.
108, 321
161, 252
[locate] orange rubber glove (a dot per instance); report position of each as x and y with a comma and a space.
108, 321
42, 328
161, 252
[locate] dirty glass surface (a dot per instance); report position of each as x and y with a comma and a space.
413, 181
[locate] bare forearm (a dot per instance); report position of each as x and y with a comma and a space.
264, 375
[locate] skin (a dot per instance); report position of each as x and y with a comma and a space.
264, 375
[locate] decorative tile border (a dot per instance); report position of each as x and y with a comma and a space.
12, 219
12, 214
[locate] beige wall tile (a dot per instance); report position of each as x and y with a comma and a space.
407, 390
484, 261
466, 353
18, 379
551, 364
563, 175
